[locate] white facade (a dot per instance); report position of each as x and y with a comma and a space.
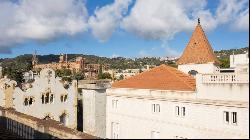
239, 59
200, 68
94, 106
47, 97
218, 108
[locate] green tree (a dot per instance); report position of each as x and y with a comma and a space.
225, 62
79, 76
121, 77
104, 75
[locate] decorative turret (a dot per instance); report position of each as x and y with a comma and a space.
34, 59
61, 58
198, 56
198, 50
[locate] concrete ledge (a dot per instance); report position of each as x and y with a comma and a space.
51, 127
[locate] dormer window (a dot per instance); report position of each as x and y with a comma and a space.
192, 72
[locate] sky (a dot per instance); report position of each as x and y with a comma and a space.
113, 28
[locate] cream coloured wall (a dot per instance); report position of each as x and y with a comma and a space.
200, 68
54, 109
94, 112
239, 59
223, 91
136, 120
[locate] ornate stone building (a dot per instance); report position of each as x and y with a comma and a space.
46, 97
77, 66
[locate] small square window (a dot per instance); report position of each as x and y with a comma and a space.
234, 117
177, 112
226, 116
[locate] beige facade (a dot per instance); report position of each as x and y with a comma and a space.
76, 66
46, 97
216, 109
215, 106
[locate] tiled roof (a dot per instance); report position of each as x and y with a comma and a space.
198, 50
160, 78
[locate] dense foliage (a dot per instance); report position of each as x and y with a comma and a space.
14, 67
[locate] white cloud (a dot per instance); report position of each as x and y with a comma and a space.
164, 50
242, 23
162, 19
40, 20
105, 20
234, 12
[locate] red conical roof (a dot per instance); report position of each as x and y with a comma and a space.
198, 50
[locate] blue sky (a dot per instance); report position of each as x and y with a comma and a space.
114, 29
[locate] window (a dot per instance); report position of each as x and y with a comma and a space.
114, 104
234, 117
61, 98
63, 119
42, 99
192, 72
51, 98
31, 101
177, 112
114, 130
47, 98
26, 101
64, 98
226, 117
156, 108
183, 111
155, 135
180, 111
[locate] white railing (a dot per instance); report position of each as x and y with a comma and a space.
225, 78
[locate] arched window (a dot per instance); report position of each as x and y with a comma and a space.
26, 102
42, 99
63, 119
31, 101
51, 98
46, 98
192, 72
64, 97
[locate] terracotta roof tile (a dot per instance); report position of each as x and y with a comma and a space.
198, 50
160, 78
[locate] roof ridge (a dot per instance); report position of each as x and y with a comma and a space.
162, 77
139, 74
179, 77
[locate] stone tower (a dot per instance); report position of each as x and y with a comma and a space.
198, 56
34, 59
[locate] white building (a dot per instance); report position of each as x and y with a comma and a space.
46, 97
93, 95
165, 102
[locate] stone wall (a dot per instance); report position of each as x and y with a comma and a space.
30, 127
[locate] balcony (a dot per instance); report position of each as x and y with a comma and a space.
226, 78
